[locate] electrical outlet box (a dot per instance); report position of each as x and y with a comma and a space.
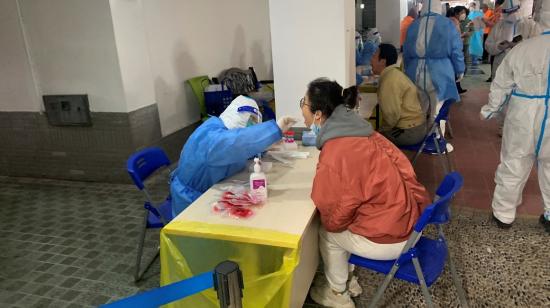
67, 110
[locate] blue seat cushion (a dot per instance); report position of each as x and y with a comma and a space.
431, 255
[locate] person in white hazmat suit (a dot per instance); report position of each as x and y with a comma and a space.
531, 27
503, 37
505, 34
524, 76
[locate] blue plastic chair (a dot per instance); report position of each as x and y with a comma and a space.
423, 259
140, 166
431, 143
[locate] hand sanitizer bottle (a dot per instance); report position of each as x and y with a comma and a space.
258, 182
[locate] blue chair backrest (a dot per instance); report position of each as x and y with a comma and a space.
444, 111
438, 212
143, 163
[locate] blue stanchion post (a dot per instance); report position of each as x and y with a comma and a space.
226, 279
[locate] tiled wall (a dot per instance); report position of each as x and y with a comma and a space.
30, 147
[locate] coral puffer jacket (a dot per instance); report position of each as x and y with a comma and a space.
367, 185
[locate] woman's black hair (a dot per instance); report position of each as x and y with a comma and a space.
325, 95
458, 9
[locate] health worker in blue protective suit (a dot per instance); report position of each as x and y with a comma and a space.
220, 148
523, 82
365, 51
476, 39
433, 59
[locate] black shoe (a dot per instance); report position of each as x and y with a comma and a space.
500, 224
545, 223
489, 80
462, 91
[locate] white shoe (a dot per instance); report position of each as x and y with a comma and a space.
354, 287
324, 295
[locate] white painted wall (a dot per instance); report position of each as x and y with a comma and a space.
309, 39
133, 54
17, 87
389, 14
127, 54
73, 48
202, 37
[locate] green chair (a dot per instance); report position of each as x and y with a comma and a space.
198, 84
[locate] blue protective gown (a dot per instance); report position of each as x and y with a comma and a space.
476, 39
443, 55
213, 153
363, 57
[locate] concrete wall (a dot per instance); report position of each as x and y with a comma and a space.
389, 14
132, 59
73, 50
310, 39
17, 87
202, 37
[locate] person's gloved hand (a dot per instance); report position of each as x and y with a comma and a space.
286, 122
460, 77
504, 45
485, 114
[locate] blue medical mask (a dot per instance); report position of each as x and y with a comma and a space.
315, 128
250, 123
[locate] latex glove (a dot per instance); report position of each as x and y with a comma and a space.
460, 77
286, 122
485, 114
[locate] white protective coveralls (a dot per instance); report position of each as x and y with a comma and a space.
531, 27
504, 31
524, 74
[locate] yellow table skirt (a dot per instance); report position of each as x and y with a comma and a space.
190, 248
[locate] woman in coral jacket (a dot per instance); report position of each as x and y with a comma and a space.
365, 190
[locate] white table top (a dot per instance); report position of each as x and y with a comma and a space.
289, 208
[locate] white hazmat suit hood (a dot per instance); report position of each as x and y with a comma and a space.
232, 117
431, 6
541, 21
373, 36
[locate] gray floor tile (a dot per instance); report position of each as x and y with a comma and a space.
64, 256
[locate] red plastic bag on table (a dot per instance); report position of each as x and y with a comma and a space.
229, 209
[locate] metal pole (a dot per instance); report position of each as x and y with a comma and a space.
228, 282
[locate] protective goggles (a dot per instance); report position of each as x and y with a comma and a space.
255, 115
513, 8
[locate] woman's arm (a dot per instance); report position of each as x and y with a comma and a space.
332, 197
